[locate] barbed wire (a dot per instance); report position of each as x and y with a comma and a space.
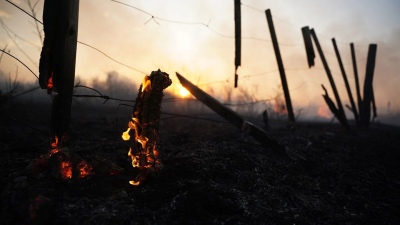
297, 26
106, 97
206, 25
17, 36
90, 46
20, 62
165, 20
15, 42
137, 70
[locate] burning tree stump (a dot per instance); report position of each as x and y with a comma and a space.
145, 124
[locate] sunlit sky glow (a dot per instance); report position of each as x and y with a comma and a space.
206, 54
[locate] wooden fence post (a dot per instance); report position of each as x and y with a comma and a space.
238, 38
359, 100
368, 89
346, 82
341, 114
308, 45
280, 66
57, 61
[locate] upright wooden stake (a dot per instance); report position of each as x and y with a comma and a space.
346, 82
359, 100
238, 38
342, 117
308, 45
280, 65
368, 89
57, 62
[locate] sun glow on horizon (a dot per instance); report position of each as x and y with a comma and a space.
183, 92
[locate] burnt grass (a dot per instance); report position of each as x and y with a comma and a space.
211, 173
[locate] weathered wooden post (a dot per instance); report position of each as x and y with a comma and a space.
308, 45
280, 66
368, 89
238, 38
57, 61
346, 82
341, 115
359, 100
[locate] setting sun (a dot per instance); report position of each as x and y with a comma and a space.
183, 92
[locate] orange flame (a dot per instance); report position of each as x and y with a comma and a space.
54, 144
135, 183
53, 151
84, 169
146, 156
146, 86
66, 166
50, 84
135, 159
126, 136
66, 169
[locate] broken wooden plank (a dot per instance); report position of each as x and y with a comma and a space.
346, 82
330, 103
280, 66
342, 118
308, 46
233, 117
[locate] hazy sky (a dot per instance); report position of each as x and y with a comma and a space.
206, 54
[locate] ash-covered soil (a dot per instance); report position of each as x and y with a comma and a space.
211, 173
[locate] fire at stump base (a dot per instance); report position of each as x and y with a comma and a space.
61, 164
144, 124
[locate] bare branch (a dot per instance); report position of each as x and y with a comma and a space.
33, 11
15, 42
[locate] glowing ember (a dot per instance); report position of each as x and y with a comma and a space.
50, 84
143, 126
66, 170
54, 144
53, 151
84, 169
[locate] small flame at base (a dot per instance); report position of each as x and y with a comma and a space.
65, 163
66, 170
135, 183
126, 136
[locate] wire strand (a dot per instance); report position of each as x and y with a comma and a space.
137, 70
25, 12
20, 62
90, 46
153, 17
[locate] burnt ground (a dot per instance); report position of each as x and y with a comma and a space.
211, 174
